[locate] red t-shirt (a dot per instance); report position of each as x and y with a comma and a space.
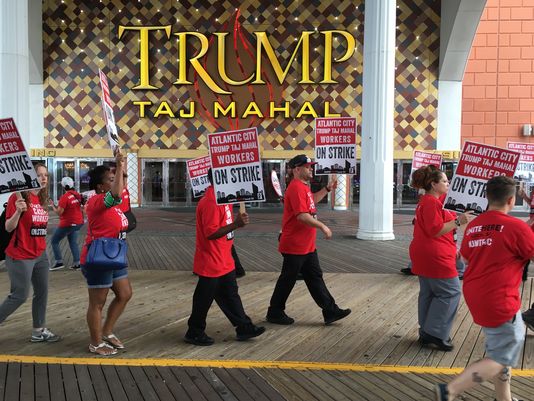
496, 247
297, 238
29, 238
125, 205
103, 222
72, 209
432, 257
213, 258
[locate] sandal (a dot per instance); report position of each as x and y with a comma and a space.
102, 349
113, 341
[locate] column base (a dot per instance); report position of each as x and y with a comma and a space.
375, 235
341, 208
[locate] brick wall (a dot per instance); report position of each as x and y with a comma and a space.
498, 86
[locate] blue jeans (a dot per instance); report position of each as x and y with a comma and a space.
72, 234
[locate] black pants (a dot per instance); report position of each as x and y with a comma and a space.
311, 271
238, 266
224, 291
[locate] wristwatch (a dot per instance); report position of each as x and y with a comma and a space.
327, 190
457, 222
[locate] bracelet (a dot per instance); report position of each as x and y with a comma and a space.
327, 190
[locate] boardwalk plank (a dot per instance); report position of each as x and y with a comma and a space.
175, 387
27, 382
55, 379
128, 383
143, 384
289, 387
100, 386
241, 391
12, 382
3, 378
115, 386
158, 383
203, 384
42, 387
87, 392
187, 383
266, 388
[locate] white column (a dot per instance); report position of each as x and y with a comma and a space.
14, 76
14, 65
376, 176
449, 115
342, 192
36, 87
133, 178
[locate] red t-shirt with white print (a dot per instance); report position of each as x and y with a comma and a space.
213, 258
103, 222
496, 247
29, 238
72, 209
297, 238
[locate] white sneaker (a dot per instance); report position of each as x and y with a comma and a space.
45, 336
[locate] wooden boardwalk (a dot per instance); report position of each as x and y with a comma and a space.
377, 342
68, 382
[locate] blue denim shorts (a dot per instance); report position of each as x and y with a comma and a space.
504, 343
102, 278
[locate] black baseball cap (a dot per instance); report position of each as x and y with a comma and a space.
300, 160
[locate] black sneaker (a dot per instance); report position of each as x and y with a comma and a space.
249, 331
201, 339
528, 318
75, 267
407, 271
57, 266
279, 318
337, 315
442, 394
429, 340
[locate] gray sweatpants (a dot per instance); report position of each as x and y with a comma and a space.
22, 274
438, 303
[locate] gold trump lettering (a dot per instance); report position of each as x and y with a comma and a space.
263, 48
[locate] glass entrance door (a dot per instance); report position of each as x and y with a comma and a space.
177, 182
153, 182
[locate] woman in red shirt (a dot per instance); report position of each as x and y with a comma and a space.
105, 219
26, 259
433, 256
69, 209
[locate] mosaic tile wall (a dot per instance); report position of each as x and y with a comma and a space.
80, 37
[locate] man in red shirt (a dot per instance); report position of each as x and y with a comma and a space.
215, 268
297, 246
496, 247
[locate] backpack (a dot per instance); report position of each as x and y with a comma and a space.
5, 237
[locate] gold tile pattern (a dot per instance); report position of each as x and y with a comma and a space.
80, 37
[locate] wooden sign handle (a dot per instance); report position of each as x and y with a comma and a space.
242, 208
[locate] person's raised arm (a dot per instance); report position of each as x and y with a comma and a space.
118, 183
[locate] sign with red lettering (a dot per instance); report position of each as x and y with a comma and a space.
16, 168
111, 127
197, 170
421, 159
478, 163
276, 183
335, 145
525, 168
236, 166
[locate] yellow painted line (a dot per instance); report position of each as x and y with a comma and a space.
242, 364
